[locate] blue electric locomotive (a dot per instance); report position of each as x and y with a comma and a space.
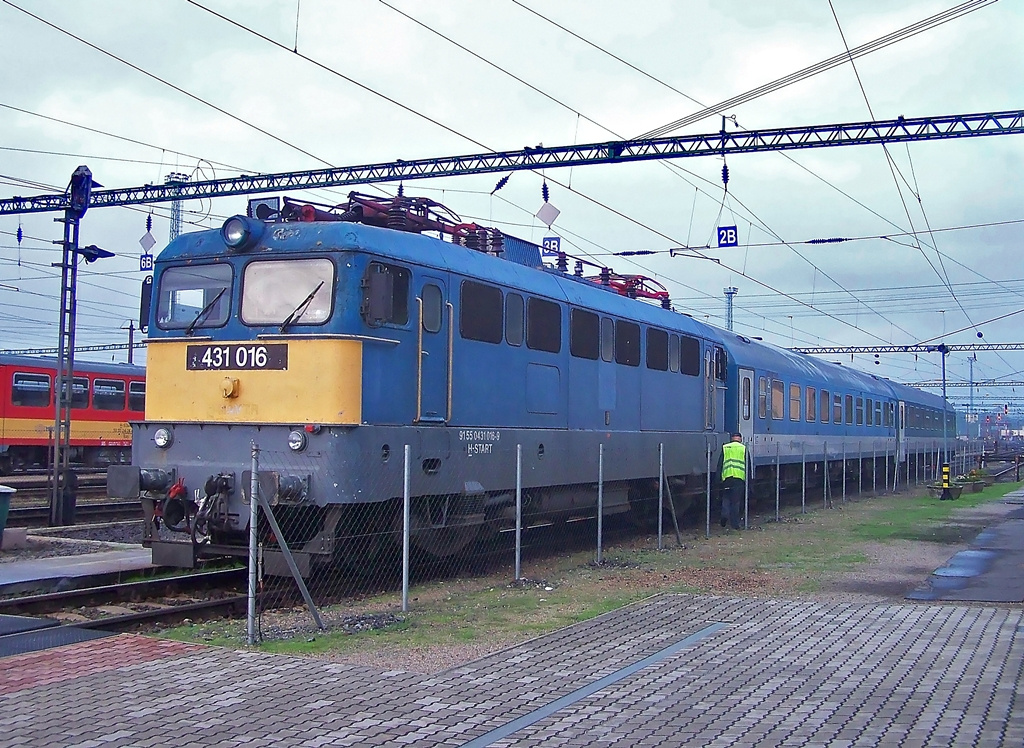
340, 335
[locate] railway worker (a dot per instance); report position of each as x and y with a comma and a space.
732, 472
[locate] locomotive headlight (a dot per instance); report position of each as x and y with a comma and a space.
241, 233
296, 440
163, 438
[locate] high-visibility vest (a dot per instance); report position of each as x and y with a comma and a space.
734, 460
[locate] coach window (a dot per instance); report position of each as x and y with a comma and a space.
584, 334
762, 398
385, 295
673, 352
812, 405
837, 409
878, 413
826, 406
860, 411
607, 339
514, 319
30, 390
432, 307
657, 349
80, 393
689, 356
288, 293
849, 410
869, 411
108, 394
543, 325
194, 296
746, 397
627, 343
137, 396
480, 312
794, 402
778, 399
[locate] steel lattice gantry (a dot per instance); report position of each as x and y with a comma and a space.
896, 130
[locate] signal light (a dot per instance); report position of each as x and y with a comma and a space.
307, 213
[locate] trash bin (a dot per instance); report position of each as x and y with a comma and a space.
6, 492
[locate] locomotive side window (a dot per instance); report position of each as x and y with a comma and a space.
794, 402
826, 401
385, 295
762, 398
837, 409
689, 356
584, 334
657, 349
869, 412
514, 309
812, 405
673, 353
543, 325
432, 307
30, 390
627, 343
778, 399
849, 410
108, 394
288, 292
607, 339
480, 312
194, 296
137, 396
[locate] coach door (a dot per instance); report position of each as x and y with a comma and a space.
434, 372
745, 402
901, 445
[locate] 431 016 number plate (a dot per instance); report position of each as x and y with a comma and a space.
237, 356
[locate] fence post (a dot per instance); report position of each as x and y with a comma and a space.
778, 478
746, 490
824, 448
874, 468
250, 619
707, 495
661, 488
844, 471
519, 511
600, 498
803, 479
860, 468
406, 529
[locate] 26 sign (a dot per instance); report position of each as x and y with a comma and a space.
728, 236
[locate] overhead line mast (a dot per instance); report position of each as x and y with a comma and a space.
901, 129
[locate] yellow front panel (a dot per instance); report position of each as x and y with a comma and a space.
322, 384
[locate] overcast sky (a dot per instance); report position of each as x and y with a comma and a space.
194, 93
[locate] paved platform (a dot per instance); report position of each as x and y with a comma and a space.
674, 670
61, 572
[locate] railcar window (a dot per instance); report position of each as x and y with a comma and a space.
860, 411
543, 325
762, 398
108, 394
657, 349
627, 344
689, 356
673, 354
288, 292
826, 402
385, 295
607, 339
514, 319
137, 396
849, 410
812, 404
837, 409
878, 413
30, 390
721, 360
187, 292
480, 312
746, 398
79, 393
794, 402
433, 305
868, 412
584, 334
778, 399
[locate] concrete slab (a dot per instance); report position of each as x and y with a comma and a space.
675, 670
60, 572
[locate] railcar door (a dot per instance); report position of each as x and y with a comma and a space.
434, 337
901, 445
745, 402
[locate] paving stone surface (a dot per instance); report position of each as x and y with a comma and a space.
778, 673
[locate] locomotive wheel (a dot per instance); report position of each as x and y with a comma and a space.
442, 541
365, 535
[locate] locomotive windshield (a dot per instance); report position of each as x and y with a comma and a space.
288, 292
188, 292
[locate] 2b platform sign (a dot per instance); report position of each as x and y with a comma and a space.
728, 236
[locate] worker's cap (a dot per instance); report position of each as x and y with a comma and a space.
737, 435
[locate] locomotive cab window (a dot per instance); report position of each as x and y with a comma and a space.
385, 295
30, 390
657, 349
137, 396
514, 309
689, 356
288, 293
480, 312
627, 343
194, 296
584, 334
108, 394
721, 359
543, 325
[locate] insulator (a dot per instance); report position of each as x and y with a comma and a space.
149, 223
725, 173
398, 212
544, 191
578, 270
563, 263
20, 235
606, 276
501, 183
666, 303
